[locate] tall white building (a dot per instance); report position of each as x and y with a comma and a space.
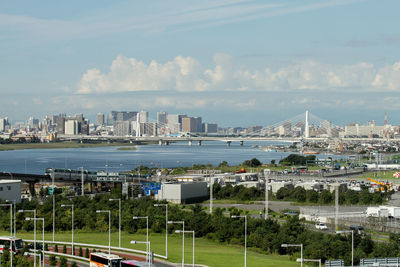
143, 116
71, 127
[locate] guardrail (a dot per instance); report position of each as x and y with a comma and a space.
97, 246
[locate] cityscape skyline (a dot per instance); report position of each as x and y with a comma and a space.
232, 60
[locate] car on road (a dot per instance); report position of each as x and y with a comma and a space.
321, 226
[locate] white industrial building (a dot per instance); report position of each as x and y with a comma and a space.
10, 190
182, 192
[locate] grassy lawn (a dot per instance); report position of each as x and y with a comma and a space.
206, 252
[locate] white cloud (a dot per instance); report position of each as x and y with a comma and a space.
186, 74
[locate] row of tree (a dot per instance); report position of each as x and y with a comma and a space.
266, 235
299, 194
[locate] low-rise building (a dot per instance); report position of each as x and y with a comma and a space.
10, 190
182, 192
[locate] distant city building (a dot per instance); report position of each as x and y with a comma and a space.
174, 122
4, 125
148, 129
122, 128
161, 117
71, 127
143, 116
254, 129
192, 125
100, 119
210, 127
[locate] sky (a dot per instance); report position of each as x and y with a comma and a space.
234, 62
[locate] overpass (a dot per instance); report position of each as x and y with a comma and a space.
166, 140
73, 177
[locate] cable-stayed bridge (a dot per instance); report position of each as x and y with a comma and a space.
302, 127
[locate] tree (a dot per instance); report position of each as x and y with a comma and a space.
299, 193
252, 163
53, 260
63, 262
87, 253
64, 249
223, 164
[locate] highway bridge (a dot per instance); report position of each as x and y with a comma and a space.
74, 177
198, 140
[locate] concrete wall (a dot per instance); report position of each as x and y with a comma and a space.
10, 190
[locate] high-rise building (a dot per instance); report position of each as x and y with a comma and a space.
3, 124
60, 121
161, 117
122, 128
148, 128
71, 127
174, 122
191, 124
210, 127
100, 119
143, 116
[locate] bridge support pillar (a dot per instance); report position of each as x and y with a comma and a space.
32, 188
190, 143
199, 143
81, 141
160, 142
241, 143
228, 143
166, 143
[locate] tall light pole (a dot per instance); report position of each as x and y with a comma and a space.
166, 227
352, 243
183, 239
15, 211
109, 229
147, 229
119, 218
245, 236
266, 198
38, 219
83, 182
211, 193
34, 233
54, 205
72, 225
147, 248
179, 231
296, 245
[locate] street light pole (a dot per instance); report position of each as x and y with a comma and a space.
211, 193
119, 219
183, 239
109, 229
147, 246
83, 182
179, 231
39, 219
34, 233
296, 245
72, 208
147, 230
245, 236
166, 227
54, 204
352, 243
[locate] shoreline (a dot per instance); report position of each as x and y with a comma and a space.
59, 145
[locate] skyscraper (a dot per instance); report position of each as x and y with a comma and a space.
100, 119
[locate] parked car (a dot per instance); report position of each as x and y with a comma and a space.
321, 226
291, 213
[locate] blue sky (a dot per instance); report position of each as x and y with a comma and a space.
235, 62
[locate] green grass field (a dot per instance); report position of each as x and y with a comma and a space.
206, 252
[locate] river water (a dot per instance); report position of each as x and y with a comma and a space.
110, 159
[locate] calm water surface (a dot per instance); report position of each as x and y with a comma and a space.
111, 159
